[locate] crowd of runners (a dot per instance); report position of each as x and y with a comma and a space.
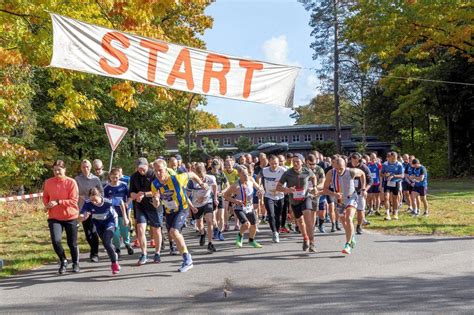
291, 193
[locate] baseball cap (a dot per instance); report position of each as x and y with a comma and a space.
178, 157
142, 162
299, 156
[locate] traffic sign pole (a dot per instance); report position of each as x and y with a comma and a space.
115, 134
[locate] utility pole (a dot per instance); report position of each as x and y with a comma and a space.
336, 79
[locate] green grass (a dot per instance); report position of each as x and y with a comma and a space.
24, 237
25, 241
451, 212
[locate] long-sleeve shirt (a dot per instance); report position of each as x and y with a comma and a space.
85, 184
65, 191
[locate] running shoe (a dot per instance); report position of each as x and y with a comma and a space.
425, 214
75, 267
157, 258
333, 228
215, 234
305, 246
130, 250
282, 230
210, 248
238, 241
312, 248
377, 213
136, 243
220, 236
321, 229
255, 244
353, 242
202, 240
192, 222
358, 230
275, 237
369, 212
387, 218
347, 249
187, 263
338, 226
173, 250
395, 217
142, 260
366, 222
152, 243
94, 258
115, 268
62, 267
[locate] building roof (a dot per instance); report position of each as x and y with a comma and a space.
267, 129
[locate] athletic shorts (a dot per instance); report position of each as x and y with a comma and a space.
374, 189
422, 190
176, 220
360, 203
207, 208
394, 190
315, 202
246, 217
152, 217
298, 208
220, 200
330, 199
322, 205
255, 200
406, 187
351, 201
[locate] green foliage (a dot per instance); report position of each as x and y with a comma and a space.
244, 144
320, 111
327, 148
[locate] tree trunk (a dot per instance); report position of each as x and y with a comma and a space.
449, 125
336, 80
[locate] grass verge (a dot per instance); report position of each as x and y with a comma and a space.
451, 204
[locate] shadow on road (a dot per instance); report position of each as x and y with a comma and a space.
402, 294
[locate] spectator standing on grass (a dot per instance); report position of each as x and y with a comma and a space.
60, 197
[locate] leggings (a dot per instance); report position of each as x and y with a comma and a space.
107, 237
56, 228
121, 230
91, 236
274, 212
284, 210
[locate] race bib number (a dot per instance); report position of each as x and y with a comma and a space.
170, 204
299, 194
374, 175
391, 184
100, 216
356, 183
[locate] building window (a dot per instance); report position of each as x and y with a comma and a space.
307, 138
318, 137
226, 141
216, 141
260, 140
296, 138
284, 139
271, 138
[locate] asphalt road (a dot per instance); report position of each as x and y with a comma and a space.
384, 274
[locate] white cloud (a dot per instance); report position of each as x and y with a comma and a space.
312, 81
276, 49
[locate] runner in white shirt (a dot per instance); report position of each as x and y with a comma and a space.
204, 200
273, 200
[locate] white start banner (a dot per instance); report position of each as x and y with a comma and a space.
103, 51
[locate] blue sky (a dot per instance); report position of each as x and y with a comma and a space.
268, 30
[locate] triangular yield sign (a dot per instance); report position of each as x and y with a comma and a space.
115, 134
